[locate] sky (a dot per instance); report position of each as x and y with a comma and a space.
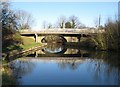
87, 12
65, 0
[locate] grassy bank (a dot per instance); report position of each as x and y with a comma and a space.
28, 43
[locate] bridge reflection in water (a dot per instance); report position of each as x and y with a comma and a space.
63, 55
61, 65
59, 50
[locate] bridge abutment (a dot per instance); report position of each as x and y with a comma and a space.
36, 38
79, 37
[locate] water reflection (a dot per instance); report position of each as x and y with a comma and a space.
21, 67
87, 68
54, 48
59, 50
103, 71
65, 71
70, 63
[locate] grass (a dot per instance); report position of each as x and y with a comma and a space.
28, 43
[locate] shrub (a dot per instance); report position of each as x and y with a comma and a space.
110, 40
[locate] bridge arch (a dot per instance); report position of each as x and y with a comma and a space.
60, 39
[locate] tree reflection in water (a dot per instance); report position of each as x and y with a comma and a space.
101, 65
21, 67
69, 63
105, 64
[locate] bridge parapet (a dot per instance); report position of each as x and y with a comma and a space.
63, 31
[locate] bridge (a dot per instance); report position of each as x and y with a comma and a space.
61, 32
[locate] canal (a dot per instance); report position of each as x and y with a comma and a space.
56, 64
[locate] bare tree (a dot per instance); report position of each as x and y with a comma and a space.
44, 24
61, 22
25, 20
49, 26
74, 21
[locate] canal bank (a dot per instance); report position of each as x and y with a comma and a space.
7, 76
68, 68
21, 53
23, 49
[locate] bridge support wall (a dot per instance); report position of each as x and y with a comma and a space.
36, 38
79, 37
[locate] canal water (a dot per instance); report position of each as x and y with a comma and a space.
56, 64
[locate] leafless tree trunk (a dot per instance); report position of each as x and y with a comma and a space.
74, 22
61, 22
25, 20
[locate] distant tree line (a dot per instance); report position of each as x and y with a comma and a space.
63, 22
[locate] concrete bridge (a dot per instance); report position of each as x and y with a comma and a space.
61, 32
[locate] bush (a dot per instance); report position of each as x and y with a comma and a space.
110, 40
